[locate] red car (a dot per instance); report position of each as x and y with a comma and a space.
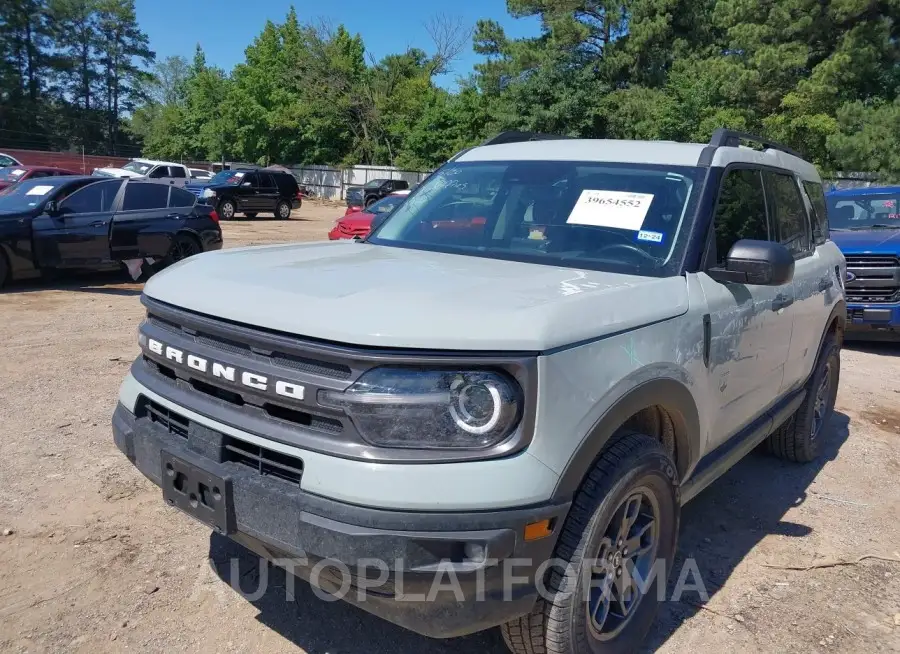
14, 174
357, 221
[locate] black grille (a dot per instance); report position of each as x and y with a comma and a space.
293, 361
265, 461
169, 420
872, 261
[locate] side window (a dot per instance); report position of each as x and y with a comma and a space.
741, 211
265, 182
39, 173
144, 196
92, 198
177, 172
159, 172
181, 198
252, 178
820, 218
790, 221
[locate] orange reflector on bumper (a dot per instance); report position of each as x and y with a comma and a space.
538, 530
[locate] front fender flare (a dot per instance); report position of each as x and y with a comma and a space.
671, 394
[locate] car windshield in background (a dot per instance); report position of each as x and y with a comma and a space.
226, 178
386, 205
375, 183
7, 161
617, 217
864, 211
11, 174
29, 193
137, 167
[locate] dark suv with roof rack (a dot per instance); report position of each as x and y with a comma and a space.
251, 191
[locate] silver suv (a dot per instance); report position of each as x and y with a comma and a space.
490, 411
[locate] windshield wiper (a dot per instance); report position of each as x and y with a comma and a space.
876, 226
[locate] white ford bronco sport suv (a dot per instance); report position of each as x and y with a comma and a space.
506, 391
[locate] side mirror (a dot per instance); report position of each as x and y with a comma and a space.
246, 184
759, 263
51, 208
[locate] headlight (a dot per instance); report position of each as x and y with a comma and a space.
428, 409
209, 193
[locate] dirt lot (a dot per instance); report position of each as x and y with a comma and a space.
91, 559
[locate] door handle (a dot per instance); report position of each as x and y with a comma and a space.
97, 223
781, 302
825, 283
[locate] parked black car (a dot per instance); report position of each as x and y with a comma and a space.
373, 191
251, 192
82, 222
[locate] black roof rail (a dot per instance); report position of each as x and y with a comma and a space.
730, 137
521, 137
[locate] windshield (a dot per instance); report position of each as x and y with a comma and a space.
138, 167
375, 183
11, 174
29, 193
864, 211
7, 161
226, 177
386, 205
617, 217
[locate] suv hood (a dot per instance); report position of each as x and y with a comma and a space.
383, 296
870, 241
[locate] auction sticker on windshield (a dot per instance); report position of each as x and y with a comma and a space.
39, 190
617, 209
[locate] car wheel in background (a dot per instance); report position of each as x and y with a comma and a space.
184, 246
250, 215
283, 210
227, 210
370, 201
4, 270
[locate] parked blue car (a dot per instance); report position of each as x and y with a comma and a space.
865, 225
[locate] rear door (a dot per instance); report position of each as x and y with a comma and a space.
78, 236
144, 225
267, 193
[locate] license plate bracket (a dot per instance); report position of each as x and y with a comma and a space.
199, 493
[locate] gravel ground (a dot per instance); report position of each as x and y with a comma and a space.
91, 560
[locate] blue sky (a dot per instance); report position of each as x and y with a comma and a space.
226, 27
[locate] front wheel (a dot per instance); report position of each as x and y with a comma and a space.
227, 209
283, 210
617, 546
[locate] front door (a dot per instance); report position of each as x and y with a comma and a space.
750, 325
77, 235
247, 194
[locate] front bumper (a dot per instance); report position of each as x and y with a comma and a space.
395, 564
873, 321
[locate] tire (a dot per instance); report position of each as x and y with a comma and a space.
227, 210
800, 438
250, 215
4, 269
633, 466
283, 210
370, 201
183, 246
